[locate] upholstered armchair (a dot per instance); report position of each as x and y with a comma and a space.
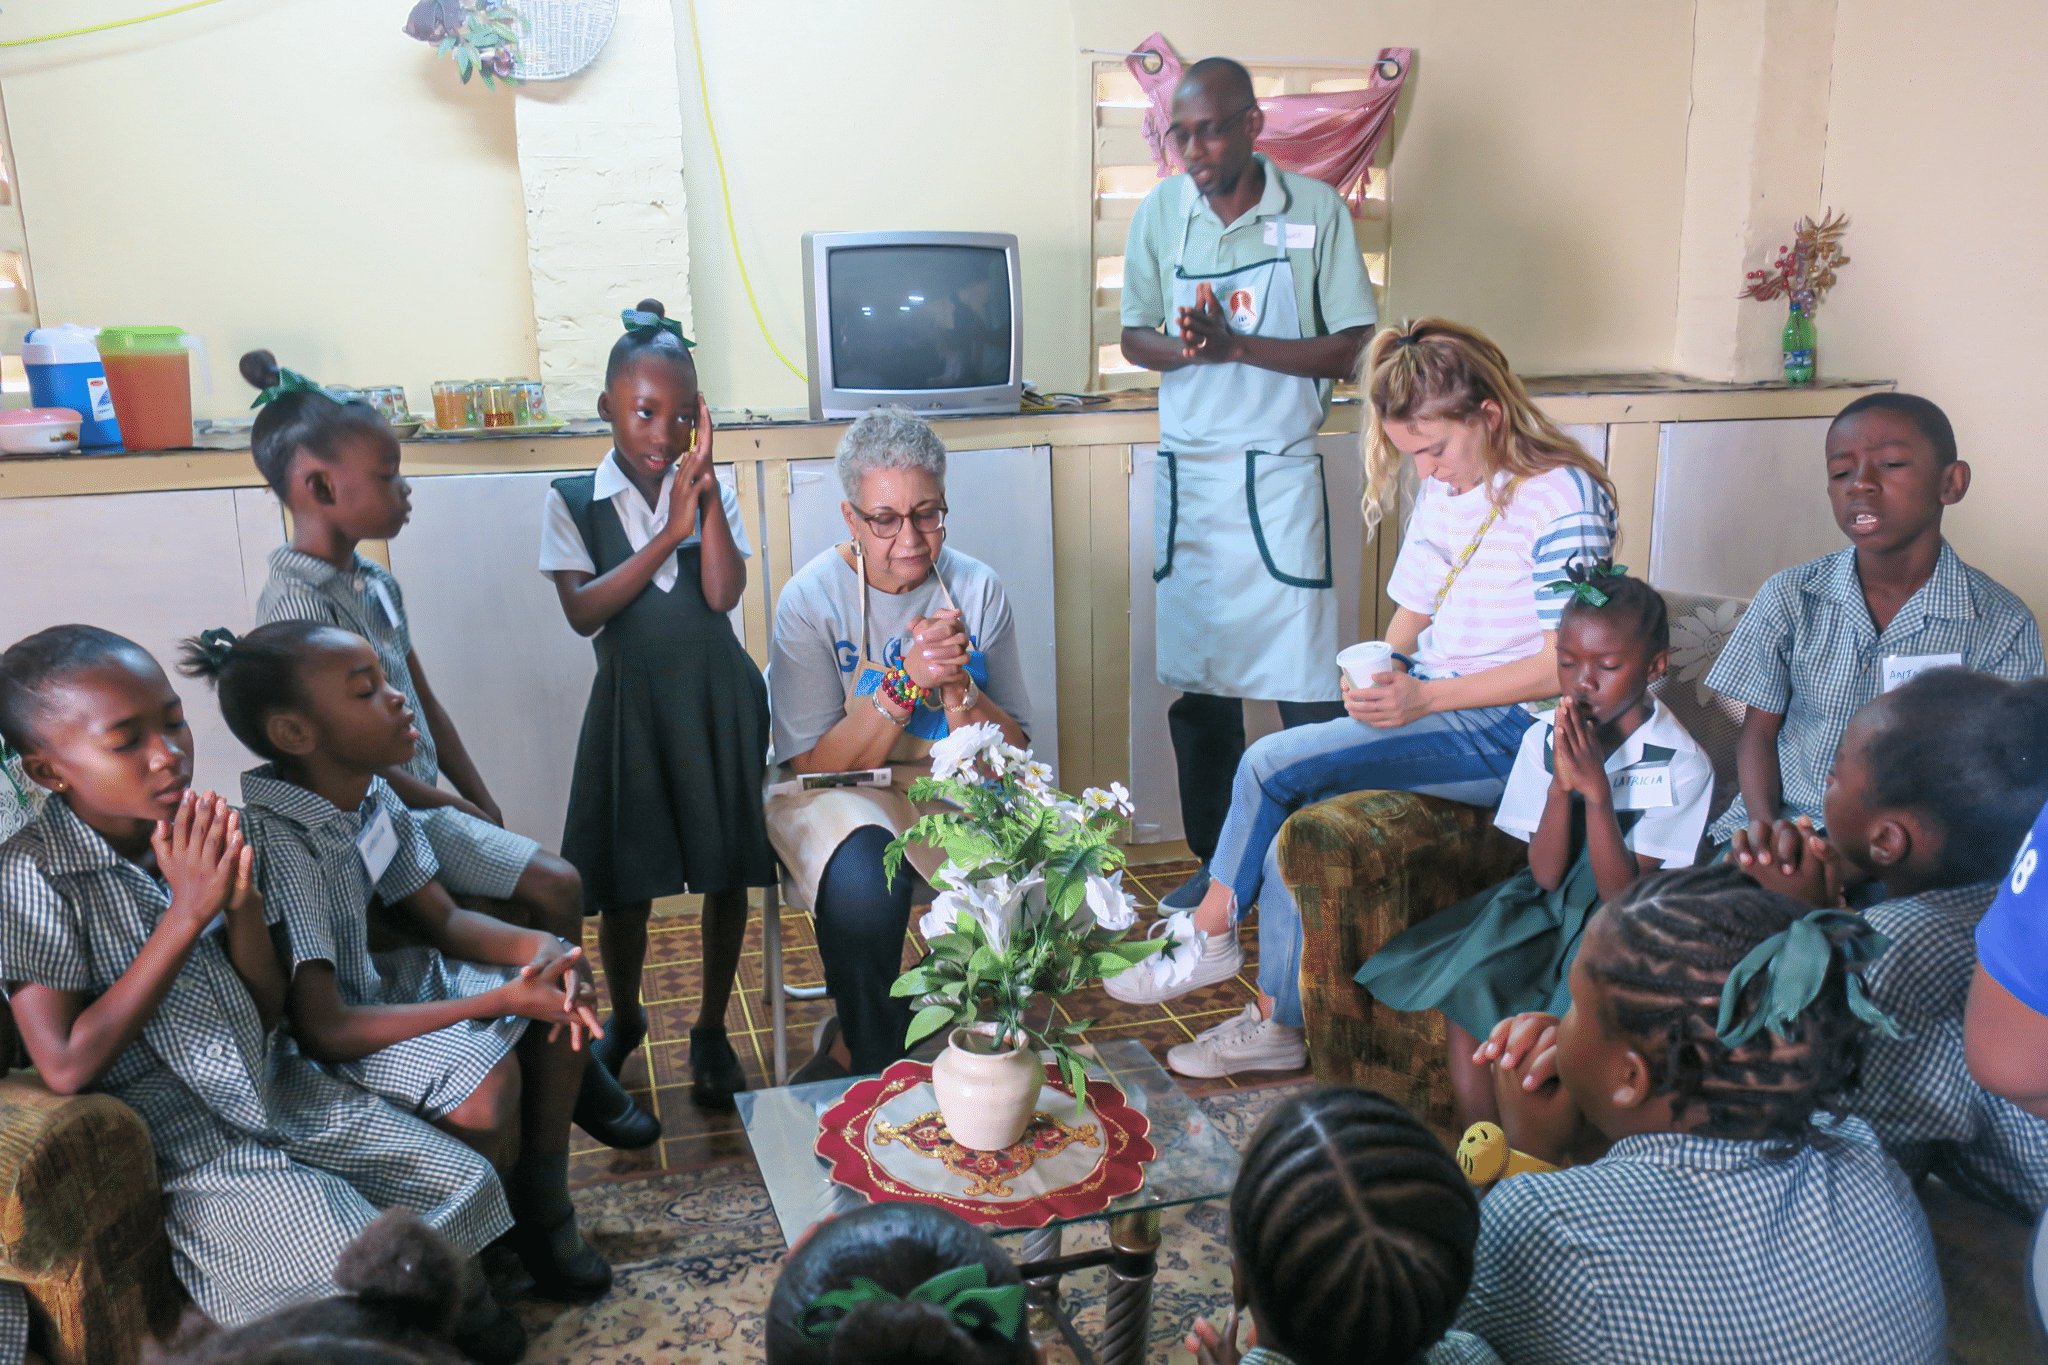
1367, 865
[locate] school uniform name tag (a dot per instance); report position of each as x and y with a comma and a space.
1642, 788
1301, 235
378, 844
384, 603
1900, 669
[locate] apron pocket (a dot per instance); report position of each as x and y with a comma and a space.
1289, 512
1165, 511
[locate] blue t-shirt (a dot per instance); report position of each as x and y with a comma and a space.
2012, 938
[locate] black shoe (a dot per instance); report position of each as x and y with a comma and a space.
1186, 896
822, 1066
564, 1267
615, 1049
715, 1075
606, 1112
488, 1334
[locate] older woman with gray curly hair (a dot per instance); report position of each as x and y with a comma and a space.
883, 644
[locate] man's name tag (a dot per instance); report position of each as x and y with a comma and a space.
1301, 235
1900, 669
378, 843
1642, 788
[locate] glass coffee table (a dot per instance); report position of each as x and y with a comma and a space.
1195, 1162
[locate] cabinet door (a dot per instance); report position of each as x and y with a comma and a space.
1738, 501
155, 567
1001, 514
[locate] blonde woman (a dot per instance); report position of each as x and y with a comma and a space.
1506, 502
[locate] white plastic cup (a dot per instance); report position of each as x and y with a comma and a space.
1362, 662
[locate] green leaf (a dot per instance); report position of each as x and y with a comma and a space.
1074, 1069
952, 947
918, 981
928, 1021
983, 962
1078, 1026
447, 46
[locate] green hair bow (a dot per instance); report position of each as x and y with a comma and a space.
1794, 965
288, 381
963, 1292
1578, 581
638, 320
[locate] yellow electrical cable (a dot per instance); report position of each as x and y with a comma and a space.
112, 23
725, 191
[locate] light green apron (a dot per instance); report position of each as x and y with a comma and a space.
1240, 516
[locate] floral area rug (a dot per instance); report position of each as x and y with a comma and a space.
696, 1255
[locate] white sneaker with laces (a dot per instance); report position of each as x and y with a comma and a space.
1193, 959
1250, 1042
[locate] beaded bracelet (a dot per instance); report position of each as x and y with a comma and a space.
898, 687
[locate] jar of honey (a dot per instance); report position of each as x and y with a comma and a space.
501, 403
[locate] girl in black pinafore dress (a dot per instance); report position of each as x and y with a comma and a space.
666, 795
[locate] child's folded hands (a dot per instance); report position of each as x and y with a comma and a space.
1790, 856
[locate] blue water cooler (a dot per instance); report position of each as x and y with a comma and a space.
64, 371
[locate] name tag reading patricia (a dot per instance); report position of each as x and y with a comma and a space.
1302, 235
378, 844
1642, 788
1900, 669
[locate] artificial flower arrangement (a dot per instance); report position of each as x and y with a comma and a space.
1804, 270
1030, 899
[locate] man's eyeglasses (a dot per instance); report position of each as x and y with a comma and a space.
887, 524
1180, 135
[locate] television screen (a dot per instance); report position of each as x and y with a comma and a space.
919, 317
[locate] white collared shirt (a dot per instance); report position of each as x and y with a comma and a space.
1660, 770
561, 544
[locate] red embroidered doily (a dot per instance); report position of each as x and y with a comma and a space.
924, 1164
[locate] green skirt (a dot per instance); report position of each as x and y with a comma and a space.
1502, 952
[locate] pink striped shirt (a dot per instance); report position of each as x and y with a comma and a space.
1496, 611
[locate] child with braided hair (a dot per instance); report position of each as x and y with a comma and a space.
1607, 787
1735, 1215
1351, 1230
1932, 793
898, 1284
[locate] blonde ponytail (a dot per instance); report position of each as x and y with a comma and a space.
1436, 369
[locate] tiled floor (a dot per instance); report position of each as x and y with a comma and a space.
659, 1073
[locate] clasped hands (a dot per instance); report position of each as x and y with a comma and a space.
554, 989
695, 480
1206, 336
1792, 857
939, 646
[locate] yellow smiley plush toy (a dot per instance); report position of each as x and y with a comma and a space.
1485, 1157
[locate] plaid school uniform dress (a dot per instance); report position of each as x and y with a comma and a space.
477, 858
1681, 1250
1917, 1093
314, 879
1807, 650
269, 1166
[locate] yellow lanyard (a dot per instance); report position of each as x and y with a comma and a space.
1470, 550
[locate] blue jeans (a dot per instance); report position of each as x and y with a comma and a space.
1461, 755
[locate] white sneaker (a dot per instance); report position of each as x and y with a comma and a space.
1250, 1042
1194, 959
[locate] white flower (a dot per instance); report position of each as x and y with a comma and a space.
1696, 642
1114, 908
1035, 774
1122, 796
1175, 965
961, 748
999, 905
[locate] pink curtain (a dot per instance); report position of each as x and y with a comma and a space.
1332, 136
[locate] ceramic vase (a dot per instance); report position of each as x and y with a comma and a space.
986, 1098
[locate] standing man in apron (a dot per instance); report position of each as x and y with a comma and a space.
1244, 286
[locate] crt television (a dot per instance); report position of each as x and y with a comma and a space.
923, 320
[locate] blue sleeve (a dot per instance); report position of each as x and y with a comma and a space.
1583, 531
2012, 938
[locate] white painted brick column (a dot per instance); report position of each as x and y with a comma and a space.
601, 161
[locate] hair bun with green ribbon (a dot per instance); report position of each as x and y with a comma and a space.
288, 381
1580, 581
1794, 966
646, 325
963, 1293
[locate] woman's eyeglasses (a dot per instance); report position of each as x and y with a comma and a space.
888, 524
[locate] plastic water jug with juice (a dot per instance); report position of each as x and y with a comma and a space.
151, 379
64, 371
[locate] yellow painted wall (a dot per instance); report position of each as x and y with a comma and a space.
1935, 149
295, 174
1537, 189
